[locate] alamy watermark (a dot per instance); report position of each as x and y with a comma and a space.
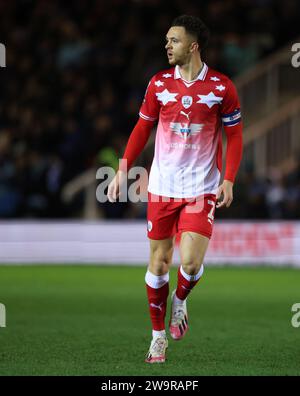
296, 57
2, 55
133, 186
2, 315
296, 317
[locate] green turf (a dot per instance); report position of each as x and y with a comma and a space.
90, 320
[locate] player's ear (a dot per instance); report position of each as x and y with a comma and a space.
194, 46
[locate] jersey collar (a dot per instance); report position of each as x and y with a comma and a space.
201, 76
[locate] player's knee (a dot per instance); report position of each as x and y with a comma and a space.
191, 266
159, 265
160, 262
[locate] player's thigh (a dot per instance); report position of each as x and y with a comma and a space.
161, 253
162, 217
198, 216
193, 247
196, 225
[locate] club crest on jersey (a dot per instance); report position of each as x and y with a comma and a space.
187, 101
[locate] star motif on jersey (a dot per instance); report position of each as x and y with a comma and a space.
210, 99
220, 87
158, 83
167, 75
214, 78
166, 96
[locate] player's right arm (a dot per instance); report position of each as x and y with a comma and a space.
136, 142
138, 138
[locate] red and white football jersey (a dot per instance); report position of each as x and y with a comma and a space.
188, 146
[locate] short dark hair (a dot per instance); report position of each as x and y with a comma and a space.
194, 26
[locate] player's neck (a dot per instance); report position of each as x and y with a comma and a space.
190, 71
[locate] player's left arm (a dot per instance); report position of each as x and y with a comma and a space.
233, 158
231, 117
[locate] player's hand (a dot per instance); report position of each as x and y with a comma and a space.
115, 186
225, 189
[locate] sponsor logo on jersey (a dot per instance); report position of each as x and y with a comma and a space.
185, 130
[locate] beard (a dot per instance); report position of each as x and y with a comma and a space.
177, 60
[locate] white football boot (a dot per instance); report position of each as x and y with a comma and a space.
157, 350
178, 324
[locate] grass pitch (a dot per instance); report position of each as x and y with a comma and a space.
93, 320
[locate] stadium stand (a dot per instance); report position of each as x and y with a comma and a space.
75, 77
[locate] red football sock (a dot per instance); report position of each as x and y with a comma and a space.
157, 299
185, 286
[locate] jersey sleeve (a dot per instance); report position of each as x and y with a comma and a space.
150, 107
230, 107
136, 142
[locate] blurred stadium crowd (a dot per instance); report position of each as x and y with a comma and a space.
75, 78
